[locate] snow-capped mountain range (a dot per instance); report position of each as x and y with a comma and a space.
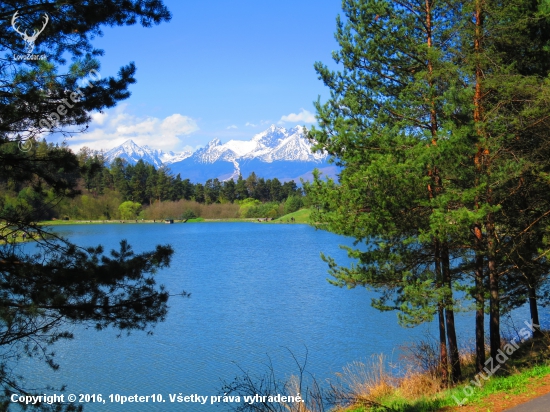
275, 152
132, 153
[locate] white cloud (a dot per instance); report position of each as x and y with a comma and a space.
113, 128
303, 117
251, 124
231, 127
98, 117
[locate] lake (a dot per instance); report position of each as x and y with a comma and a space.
258, 291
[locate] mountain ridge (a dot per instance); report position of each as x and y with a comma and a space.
276, 151
132, 153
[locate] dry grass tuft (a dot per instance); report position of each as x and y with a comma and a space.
370, 383
421, 357
417, 384
365, 383
293, 389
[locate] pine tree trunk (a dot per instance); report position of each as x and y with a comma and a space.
479, 276
444, 364
443, 356
479, 296
534, 310
494, 302
450, 317
434, 173
532, 290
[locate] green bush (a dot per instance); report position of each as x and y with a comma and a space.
129, 210
246, 205
293, 203
188, 214
263, 210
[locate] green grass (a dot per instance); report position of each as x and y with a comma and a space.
300, 216
75, 222
17, 239
99, 222
132, 221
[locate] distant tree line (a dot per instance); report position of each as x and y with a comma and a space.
104, 188
145, 184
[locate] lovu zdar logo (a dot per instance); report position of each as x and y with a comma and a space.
29, 39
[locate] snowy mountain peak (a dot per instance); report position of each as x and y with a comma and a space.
129, 146
129, 143
271, 137
275, 143
132, 153
298, 129
214, 142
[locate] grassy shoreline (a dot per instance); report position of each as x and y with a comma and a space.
132, 222
523, 376
300, 216
497, 393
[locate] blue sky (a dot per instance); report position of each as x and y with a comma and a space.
218, 69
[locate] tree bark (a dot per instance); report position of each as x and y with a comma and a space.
534, 310
450, 317
494, 300
443, 356
479, 296
531, 281
443, 360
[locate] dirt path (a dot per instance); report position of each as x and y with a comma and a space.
499, 402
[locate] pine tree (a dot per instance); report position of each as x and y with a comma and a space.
439, 121
241, 191
251, 183
275, 190
508, 62
228, 191
198, 193
389, 124
120, 177
164, 183
64, 284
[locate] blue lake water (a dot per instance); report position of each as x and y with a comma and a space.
257, 291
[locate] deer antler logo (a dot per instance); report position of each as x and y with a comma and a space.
29, 39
